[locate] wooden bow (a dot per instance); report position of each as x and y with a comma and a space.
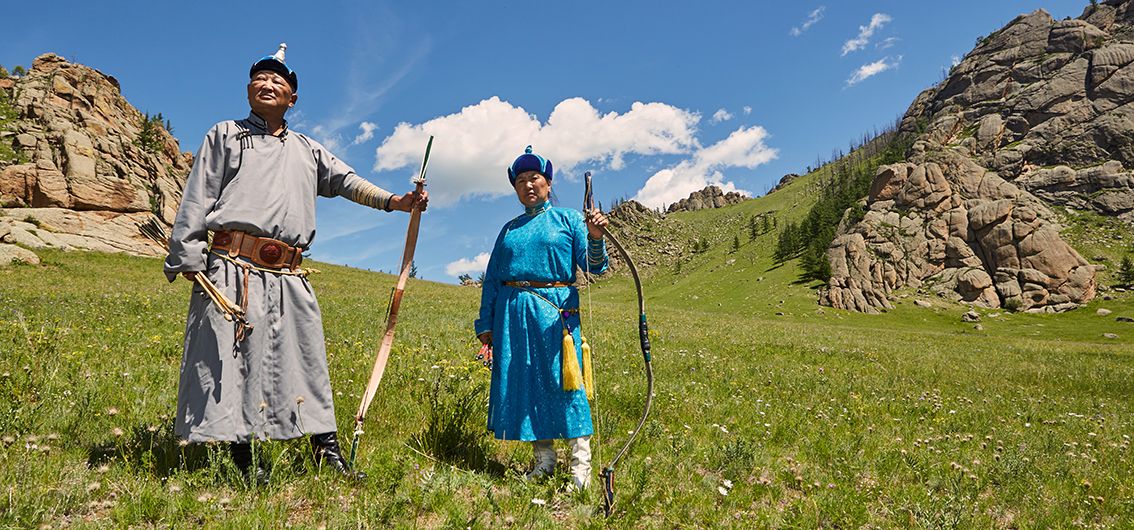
392, 315
607, 473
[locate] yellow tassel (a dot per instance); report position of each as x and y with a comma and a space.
588, 371
572, 375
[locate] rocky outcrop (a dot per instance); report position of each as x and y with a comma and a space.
1039, 94
710, 197
82, 178
784, 181
1040, 113
951, 225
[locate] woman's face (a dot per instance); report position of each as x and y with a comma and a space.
532, 188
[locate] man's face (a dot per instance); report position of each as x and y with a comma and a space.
269, 94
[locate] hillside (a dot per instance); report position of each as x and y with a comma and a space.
806, 419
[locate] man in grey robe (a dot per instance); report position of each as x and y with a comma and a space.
255, 176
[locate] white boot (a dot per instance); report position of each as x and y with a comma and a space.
580, 462
544, 459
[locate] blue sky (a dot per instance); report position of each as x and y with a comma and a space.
658, 99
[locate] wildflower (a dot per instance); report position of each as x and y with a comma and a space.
174, 488
117, 432
722, 490
93, 487
727, 483
183, 443
538, 501
299, 400
112, 411
103, 468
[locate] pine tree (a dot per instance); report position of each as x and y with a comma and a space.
1126, 272
752, 233
18, 71
787, 245
735, 243
413, 269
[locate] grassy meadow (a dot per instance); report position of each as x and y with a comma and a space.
769, 411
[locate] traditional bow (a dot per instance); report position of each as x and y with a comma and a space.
607, 473
392, 314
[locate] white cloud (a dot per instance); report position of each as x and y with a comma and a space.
865, 32
367, 133
954, 61
743, 148
475, 145
888, 42
811, 20
472, 266
747, 110
330, 139
721, 115
871, 69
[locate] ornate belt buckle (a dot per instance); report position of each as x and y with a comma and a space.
271, 253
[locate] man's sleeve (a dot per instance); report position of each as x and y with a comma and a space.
337, 179
188, 241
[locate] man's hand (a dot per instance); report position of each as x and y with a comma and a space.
191, 276
406, 202
485, 338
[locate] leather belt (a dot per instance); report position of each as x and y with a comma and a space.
262, 251
527, 283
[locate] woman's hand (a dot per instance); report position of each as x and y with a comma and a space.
596, 222
485, 338
191, 276
406, 202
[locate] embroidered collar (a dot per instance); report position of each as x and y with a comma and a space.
259, 122
537, 209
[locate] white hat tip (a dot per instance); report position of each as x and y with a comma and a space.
279, 55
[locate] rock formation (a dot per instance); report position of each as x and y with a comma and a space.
948, 223
784, 181
82, 179
1039, 114
710, 197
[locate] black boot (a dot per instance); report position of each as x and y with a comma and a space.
242, 457
327, 451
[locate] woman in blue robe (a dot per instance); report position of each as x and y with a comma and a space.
528, 299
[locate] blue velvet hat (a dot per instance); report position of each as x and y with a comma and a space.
275, 63
529, 161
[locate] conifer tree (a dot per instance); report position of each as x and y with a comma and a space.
1126, 272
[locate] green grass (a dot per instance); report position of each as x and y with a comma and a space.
815, 418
